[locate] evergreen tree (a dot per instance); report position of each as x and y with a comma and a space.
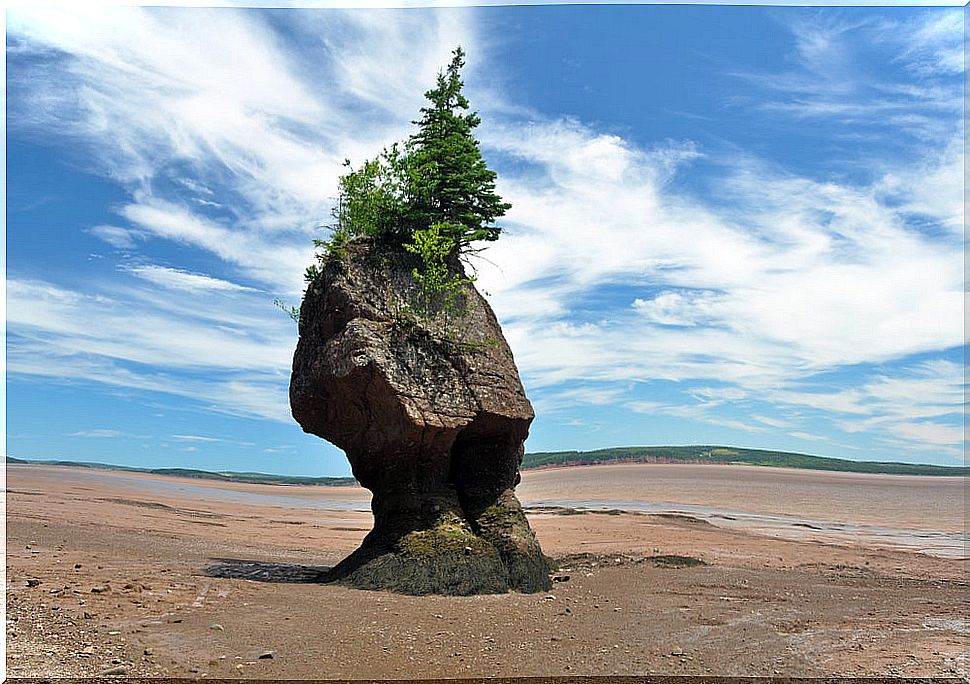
438, 179
450, 184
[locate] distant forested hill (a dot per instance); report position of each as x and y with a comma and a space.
650, 454
251, 478
730, 455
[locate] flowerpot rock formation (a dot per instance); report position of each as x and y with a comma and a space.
432, 415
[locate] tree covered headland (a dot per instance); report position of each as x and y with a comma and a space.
431, 193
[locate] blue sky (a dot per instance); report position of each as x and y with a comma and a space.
729, 225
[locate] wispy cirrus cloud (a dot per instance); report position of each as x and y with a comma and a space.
117, 237
785, 276
835, 74
816, 273
196, 438
206, 439
228, 143
222, 352
98, 433
181, 115
612, 276
183, 280
278, 266
933, 46
102, 325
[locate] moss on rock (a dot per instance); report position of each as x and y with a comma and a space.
450, 534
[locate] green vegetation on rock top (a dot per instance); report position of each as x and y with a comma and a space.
437, 179
430, 196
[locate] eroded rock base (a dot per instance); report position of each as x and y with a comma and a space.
451, 557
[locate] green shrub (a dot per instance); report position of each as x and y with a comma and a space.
431, 196
437, 177
440, 288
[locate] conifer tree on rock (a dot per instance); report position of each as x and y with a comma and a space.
438, 177
451, 183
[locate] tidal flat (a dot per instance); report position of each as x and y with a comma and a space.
803, 573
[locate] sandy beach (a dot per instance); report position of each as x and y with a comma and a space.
802, 574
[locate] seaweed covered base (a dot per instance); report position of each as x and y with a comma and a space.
451, 558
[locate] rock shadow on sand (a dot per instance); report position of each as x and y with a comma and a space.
261, 571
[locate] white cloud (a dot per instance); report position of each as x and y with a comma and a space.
773, 422
183, 280
388, 59
900, 405
734, 424
761, 283
832, 76
579, 397
929, 433
211, 346
701, 412
262, 395
821, 275
279, 266
98, 433
196, 438
933, 46
718, 394
252, 127
67, 323
809, 436
784, 277
677, 308
931, 190
120, 238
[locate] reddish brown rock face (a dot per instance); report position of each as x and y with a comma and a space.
434, 428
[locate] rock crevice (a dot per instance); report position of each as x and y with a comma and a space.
435, 429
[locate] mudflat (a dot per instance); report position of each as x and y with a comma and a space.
800, 573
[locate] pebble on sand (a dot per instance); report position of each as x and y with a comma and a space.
116, 670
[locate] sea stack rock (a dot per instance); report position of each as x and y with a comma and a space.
432, 416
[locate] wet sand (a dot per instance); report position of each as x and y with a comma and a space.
189, 578
901, 501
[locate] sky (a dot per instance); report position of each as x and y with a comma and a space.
733, 225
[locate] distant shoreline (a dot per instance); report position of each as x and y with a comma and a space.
189, 473
685, 455
721, 455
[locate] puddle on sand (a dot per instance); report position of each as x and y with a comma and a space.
931, 542
949, 624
